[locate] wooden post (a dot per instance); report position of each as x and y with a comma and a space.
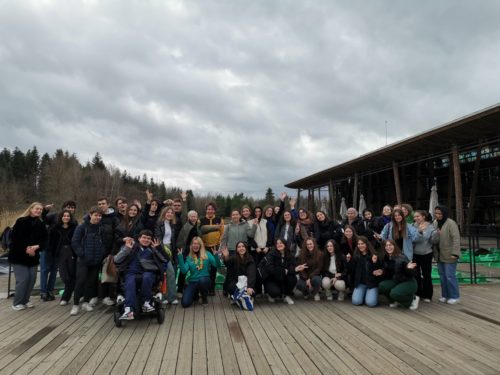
355, 191
332, 194
458, 186
473, 190
418, 190
298, 199
397, 184
450, 184
309, 197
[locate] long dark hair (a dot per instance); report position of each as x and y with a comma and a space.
237, 258
397, 250
59, 221
369, 247
395, 231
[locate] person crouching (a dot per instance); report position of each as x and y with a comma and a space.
142, 259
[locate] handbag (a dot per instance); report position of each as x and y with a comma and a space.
108, 271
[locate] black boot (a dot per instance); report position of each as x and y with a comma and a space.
44, 297
50, 296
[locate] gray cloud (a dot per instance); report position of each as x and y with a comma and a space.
238, 96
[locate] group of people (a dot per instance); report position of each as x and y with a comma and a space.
124, 253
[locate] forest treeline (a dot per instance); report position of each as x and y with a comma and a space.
26, 177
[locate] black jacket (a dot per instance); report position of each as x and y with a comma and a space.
280, 234
27, 231
396, 269
235, 269
326, 230
126, 255
340, 263
88, 243
131, 229
59, 236
357, 224
362, 267
276, 264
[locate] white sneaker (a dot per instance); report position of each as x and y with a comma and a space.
147, 307
317, 297
341, 296
442, 300
175, 302
159, 297
29, 305
414, 303
288, 300
329, 298
427, 300
393, 305
63, 303
87, 307
453, 301
271, 299
18, 307
108, 301
127, 314
75, 310
120, 299
93, 301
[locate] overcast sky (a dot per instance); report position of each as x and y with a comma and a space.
230, 96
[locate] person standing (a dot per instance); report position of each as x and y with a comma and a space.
29, 237
403, 234
447, 253
212, 228
89, 246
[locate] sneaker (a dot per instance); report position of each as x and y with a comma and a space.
427, 300
50, 296
317, 297
341, 296
175, 302
120, 299
158, 297
44, 297
442, 300
393, 305
108, 301
93, 301
414, 303
288, 300
329, 298
75, 310
453, 301
87, 306
306, 296
18, 307
63, 303
29, 305
271, 299
179, 295
127, 314
147, 307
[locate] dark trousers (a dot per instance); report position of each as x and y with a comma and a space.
193, 289
131, 280
277, 288
67, 271
315, 284
257, 257
213, 270
87, 278
424, 275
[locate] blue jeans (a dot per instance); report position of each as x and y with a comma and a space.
148, 279
193, 288
364, 294
48, 271
315, 284
170, 270
449, 282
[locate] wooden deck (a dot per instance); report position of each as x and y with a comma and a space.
306, 338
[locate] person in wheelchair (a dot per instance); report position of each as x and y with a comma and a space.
135, 260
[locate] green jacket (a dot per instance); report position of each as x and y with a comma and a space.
190, 265
449, 242
233, 233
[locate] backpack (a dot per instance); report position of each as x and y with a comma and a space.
6, 239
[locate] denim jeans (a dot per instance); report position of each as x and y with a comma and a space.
449, 282
170, 270
315, 285
364, 294
48, 271
193, 288
130, 287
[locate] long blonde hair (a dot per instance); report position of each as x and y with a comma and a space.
27, 212
202, 253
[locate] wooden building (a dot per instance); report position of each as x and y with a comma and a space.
461, 158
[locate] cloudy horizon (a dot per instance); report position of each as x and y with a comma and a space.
227, 97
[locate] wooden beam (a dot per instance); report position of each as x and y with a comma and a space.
298, 198
332, 194
473, 190
397, 184
458, 187
355, 191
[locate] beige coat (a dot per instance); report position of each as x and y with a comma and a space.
449, 242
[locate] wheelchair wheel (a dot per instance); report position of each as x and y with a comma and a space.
116, 317
160, 315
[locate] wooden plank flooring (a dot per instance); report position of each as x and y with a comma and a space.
306, 338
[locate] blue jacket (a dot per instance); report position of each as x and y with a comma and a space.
411, 235
88, 243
